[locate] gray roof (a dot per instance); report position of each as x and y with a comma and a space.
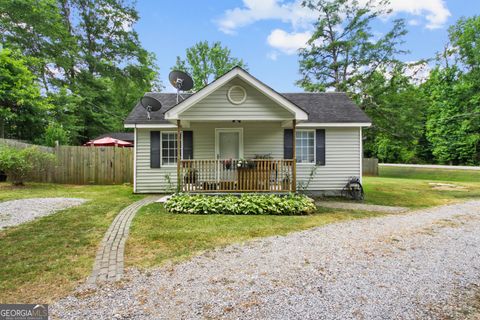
321, 107
125, 136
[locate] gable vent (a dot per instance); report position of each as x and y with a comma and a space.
237, 94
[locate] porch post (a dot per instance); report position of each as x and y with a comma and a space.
179, 157
294, 166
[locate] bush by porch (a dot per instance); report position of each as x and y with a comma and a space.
246, 204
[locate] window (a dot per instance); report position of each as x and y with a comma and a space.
305, 146
169, 148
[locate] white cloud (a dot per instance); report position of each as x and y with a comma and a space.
432, 13
435, 11
254, 10
417, 72
286, 42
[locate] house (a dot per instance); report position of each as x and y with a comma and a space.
124, 136
237, 135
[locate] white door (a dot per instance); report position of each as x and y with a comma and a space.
229, 143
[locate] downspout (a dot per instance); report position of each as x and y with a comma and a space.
179, 156
361, 156
294, 167
135, 159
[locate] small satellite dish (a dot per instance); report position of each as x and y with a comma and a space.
150, 104
180, 81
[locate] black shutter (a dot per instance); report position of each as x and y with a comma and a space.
187, 145
154, 149
320, 149
288, 144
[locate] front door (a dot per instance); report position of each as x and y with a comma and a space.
229, 143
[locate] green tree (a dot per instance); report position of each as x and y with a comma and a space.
205, 63
53, 134
397, 108
88, 50
343, 51
465, 37
453, 125
22, 109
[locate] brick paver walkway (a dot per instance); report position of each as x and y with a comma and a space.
109, 261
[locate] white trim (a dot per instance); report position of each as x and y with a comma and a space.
285, 123
150, 125
240, 142
229, 94
230, 118
135, 140
173, 113
331, 124
314, 147
361, 155
179, 145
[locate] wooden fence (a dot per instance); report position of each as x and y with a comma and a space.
370, 166
85, 165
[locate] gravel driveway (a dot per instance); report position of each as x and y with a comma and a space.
412, 266
16, 212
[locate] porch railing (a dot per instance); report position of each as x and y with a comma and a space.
237, 175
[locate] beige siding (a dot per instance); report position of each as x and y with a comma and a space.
342, 160
151, 180
342, 154
258, 138
256, 107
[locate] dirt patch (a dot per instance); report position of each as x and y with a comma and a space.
447, 187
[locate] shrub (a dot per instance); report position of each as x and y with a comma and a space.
19, 164
245, 204
54, 133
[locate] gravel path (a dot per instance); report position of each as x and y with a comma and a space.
412, 266
16, 212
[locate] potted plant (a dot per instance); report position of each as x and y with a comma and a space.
227, 164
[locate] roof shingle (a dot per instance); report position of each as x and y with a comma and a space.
329, 107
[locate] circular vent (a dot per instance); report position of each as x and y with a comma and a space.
237, 95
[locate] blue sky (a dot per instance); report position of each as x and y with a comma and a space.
266, 33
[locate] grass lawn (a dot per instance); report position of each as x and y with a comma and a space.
430, 174
415, 193
46, 258
157, 236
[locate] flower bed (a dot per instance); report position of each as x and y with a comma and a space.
253, 204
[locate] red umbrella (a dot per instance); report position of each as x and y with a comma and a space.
108, 142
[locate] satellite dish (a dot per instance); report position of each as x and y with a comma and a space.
180, 81
150, 104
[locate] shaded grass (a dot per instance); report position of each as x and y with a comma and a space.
430, 174
46, 258
157, 236
413, 193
